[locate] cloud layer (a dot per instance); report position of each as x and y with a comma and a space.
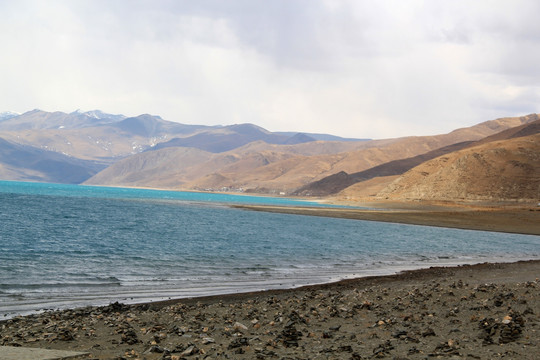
352, 68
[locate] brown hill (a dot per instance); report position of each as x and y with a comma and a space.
337, 182
494, 171
163, 168
272, 168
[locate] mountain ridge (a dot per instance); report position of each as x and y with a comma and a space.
269, 168
148, 151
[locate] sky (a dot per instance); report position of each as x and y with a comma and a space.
353, 68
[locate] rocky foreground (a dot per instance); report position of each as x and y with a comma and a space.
485, 311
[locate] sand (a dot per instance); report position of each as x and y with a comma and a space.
485, 311
511, 218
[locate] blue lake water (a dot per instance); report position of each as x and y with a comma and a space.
68, 245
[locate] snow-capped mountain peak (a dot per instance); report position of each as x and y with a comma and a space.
8, 115
100, 115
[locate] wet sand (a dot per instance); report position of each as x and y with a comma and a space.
510, 219
485, 311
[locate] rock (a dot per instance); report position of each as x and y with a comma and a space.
383, 349
428, 332
115, 307
489, 327
179, 348
236, 343
295, 318
239, 327
448, 348
155, 349
207, 340
345, 348
290, 336
399, 334
510, 332
129, 337
191, 350
65, 335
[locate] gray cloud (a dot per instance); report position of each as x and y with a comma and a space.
354, 68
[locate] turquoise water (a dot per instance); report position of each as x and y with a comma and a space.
68, 190
68, 245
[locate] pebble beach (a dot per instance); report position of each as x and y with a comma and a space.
484, 311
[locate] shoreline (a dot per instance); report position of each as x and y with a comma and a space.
487, 310
390, 273
403, 275
518, 220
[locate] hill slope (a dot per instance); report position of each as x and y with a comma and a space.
494, 171
271, 168
20, 162
340, 181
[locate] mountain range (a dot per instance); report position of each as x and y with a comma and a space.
97, 148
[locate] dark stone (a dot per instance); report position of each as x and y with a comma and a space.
399, 334
115, 307
345, 348
65, 335
290, 336
510, 332
130, 337
236, 343
383, 349
156, 349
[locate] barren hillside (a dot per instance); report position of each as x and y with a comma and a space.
495, 171
270, 168
337, 182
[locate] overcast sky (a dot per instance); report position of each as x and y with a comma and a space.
356, 68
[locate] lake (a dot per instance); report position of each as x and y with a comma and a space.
69, 245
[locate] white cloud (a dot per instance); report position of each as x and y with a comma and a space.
352, 68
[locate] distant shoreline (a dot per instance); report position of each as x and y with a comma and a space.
518, 220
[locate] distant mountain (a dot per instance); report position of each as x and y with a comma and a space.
218, 140
274, 168
154, 126
298, 138
96, 135
20, 162
40, 120
92, 135
6, 115
148, 151
100, 115
321, 137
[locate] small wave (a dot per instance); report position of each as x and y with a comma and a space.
58, 284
